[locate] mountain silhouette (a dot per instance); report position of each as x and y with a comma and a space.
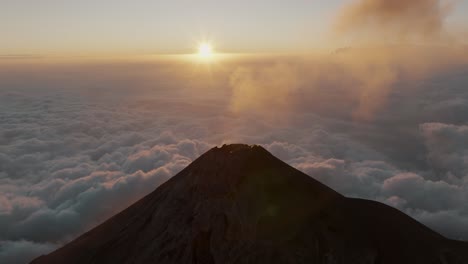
240, 204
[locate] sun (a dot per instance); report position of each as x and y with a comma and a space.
205, 50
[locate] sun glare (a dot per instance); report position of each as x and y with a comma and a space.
205, 50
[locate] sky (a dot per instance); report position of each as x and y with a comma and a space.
161, 27
158, 26
382, 115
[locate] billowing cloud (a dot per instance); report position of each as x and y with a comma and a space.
262, 87
397, 18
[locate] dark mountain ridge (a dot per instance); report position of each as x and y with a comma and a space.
240, 204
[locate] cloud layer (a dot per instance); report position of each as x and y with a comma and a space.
77, 148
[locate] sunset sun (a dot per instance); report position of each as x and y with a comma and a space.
205, 50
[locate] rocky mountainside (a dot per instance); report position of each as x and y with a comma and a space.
240, 204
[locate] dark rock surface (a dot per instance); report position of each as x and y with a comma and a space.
240, 204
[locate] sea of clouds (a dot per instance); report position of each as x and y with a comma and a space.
80, 141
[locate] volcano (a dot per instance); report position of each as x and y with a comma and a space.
240, 204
